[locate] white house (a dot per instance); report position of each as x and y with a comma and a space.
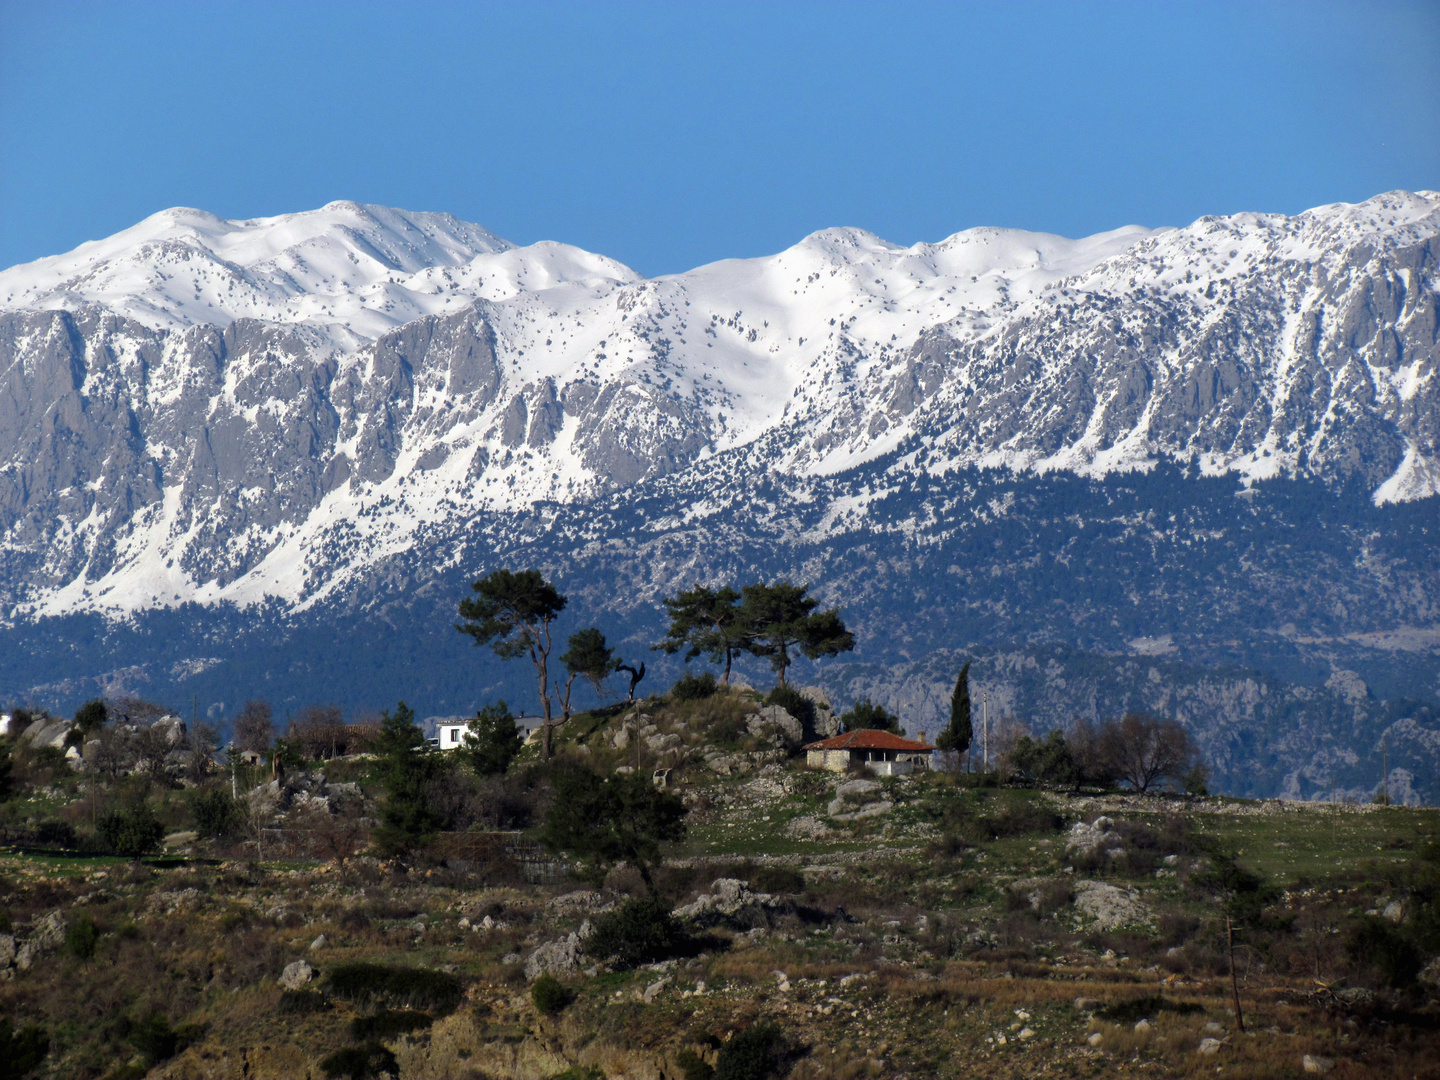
451, 736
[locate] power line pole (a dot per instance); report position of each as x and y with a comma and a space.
985, 697
1234, 986
1385, 769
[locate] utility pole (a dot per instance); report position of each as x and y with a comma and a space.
985, 698
1385, 769
1234, 986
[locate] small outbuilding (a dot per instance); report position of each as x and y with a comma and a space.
886, 753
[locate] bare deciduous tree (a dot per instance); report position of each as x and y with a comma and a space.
1142, 751
335, 833
254, 729
202, 744
319, 732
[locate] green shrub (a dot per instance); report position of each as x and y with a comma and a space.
1377, 944
153, 1037
386, 1024
1134, 1010
865, 715
1049, 762
549, 996
397, 988
132, 832
640, 931
214, 812
302, 1002
55, 834
359, 1063
694, 687
693, 1066
7, 772
80, 938
21, 1051
48, 757
779, 879
793, 702
750, 1055
90, 717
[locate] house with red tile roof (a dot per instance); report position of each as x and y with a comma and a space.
883, 752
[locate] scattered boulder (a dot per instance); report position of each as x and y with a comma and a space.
847, 793
728, 897
775, 723
1109, 907
559, 957
53, 733
320, 942
808, 828
1313, 1063
1209, 1046
581, 900
826, 723
1085, 839
45, 936
296, 974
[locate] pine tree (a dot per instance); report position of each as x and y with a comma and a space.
957, 737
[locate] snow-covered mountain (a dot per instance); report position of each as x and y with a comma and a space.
201, 409
1188, 470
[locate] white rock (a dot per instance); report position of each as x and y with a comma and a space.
1142, 1026
296, 975
1095, 1038
1085, 838
559, 957
1313, 1063
1209, 1046
1109, 907
1027, 1033
320, 942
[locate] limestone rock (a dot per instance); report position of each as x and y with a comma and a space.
1209, 1046
1109, 907
296, 974
1314, 1063
727, 898
847, 793
777, 724
1084, 838
558, 957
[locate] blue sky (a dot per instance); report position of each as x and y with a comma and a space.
668, 135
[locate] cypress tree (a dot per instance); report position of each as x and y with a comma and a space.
956, 738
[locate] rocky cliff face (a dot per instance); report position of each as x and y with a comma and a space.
158, 450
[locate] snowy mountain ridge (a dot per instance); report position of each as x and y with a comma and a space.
200, 409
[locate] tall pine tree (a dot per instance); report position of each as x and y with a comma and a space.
957, 737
